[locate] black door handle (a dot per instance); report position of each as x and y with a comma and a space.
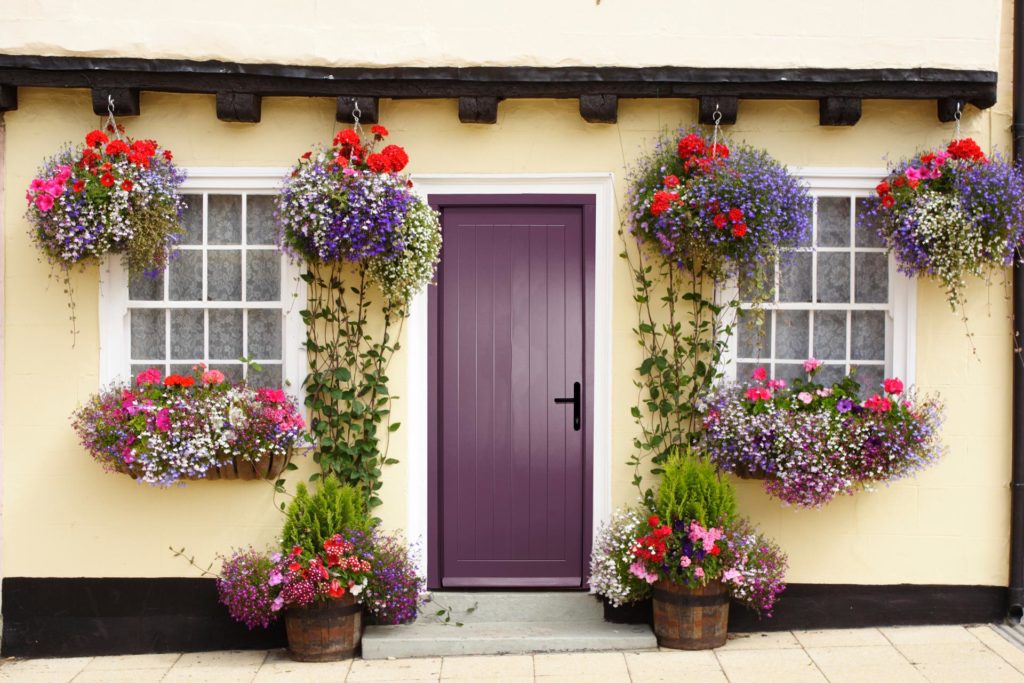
575, 401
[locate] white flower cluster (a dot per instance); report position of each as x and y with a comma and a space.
955, 244
403, 276
613, 553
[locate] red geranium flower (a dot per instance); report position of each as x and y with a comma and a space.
739, 230
661, 201
893, 385
126, 185
735, 215
346, 137
691, 145
396, 156
168, 155
296, 550
294, 566
116, 147
719, 150
107, 180
653, 520
966, 149
336, 590
671, 181
715, 550
882, 188
96, 138
78, 186
888, 200
719, 221
379, 131
377, 163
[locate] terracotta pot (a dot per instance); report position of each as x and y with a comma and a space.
324, 631
691, 618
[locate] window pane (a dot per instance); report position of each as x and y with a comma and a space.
142, 287
870, 379
226, 334
807, 241
867, 335
795, 283
184, 369
745, 371
834, 278
187, 333
192, 219
138, 368
833, 221
265, 334
263, 275
259, 219
830, 335
829, 374
872, 278
186, 273
268, 376
792, 334
232, 371
224, 275
224, 223
148, 334
752, 340
790, 371
867, 231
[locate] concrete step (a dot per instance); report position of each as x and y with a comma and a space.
483, 638
472, 607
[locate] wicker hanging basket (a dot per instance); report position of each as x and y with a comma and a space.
267, 467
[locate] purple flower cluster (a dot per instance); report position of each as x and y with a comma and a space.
328, 213
812, 443
244, 587
761, 563
393, 592
732, 210
949, 214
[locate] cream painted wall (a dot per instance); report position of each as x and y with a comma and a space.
730, 33
62, 516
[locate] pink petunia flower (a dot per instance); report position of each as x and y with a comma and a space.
685, 561
213, 377
163, 420
805, 397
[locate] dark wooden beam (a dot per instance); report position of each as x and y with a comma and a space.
839, 111
599, 108
165, 75
478, 109
947, 108
8, 98
240, 107
727, 106
126, 101
369, 111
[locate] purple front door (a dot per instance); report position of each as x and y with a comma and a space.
510, 463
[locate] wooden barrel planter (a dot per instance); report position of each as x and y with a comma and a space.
691, 618
267, 467
325, 631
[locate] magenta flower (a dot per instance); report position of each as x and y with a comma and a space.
163, 420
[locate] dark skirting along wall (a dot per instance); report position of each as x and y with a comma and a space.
74, 617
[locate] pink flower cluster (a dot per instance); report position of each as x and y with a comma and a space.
44, 191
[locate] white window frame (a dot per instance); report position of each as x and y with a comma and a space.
902, 311
114, 320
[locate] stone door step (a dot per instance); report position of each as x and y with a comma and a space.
489, 638
470, 607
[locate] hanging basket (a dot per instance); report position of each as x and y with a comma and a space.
691, 618
267, 467
741, 471
324, 631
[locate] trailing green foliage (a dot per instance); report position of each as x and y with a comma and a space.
691, 489
312, 519
347, 385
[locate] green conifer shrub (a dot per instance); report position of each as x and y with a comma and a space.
691, 489
312, 519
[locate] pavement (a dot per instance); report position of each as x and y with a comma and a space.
938, 654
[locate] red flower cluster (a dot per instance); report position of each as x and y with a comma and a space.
178, 381
734, 216
652, 547
878, 404
100, 153
350, 150
695, 153
662, 201
966, 149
